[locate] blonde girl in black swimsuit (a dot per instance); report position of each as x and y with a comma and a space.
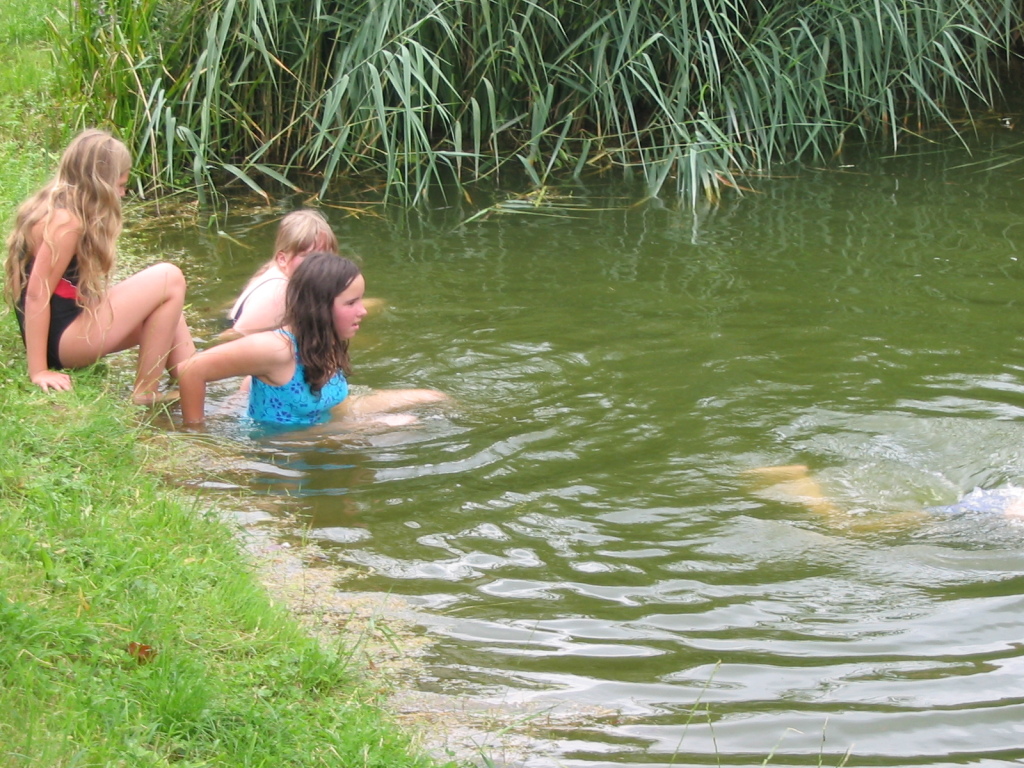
59, 259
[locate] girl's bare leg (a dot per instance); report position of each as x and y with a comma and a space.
794, 482
387, 400
182, 349
144, 311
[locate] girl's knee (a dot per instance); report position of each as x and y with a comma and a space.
170, 275
172, 271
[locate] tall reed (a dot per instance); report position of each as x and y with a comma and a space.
683, 94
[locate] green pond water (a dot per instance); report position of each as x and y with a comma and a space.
576, 530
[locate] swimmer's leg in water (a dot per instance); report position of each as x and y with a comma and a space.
793, 483
384, 406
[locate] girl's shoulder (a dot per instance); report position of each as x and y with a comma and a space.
260, 305
271, 276
60, 231
278, 342
55, 223
255, 283
273, 353
266, 353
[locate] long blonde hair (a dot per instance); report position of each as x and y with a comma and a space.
85, 185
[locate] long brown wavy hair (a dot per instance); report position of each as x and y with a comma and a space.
308, 311
85, 185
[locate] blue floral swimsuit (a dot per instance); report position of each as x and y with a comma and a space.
293, 403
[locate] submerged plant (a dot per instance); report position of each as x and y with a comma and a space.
684, 95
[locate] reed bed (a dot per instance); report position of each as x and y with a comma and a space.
684, 95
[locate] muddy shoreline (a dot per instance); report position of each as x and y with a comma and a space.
391, 641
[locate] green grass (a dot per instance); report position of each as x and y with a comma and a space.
24, 168
97, 555
24, 21
33, 117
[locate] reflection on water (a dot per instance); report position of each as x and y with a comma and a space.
577, 526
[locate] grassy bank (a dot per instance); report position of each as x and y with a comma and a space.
32, 116
133, 630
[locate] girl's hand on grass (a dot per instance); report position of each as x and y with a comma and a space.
47, 380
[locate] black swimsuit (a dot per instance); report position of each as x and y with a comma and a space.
63, 311
233, 319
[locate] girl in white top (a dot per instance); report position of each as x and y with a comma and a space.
260, 307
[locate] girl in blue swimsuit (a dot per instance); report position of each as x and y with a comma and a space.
298, 372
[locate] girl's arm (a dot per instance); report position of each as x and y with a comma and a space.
53, 254
268, 356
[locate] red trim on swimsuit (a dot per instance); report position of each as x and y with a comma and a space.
66, 290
